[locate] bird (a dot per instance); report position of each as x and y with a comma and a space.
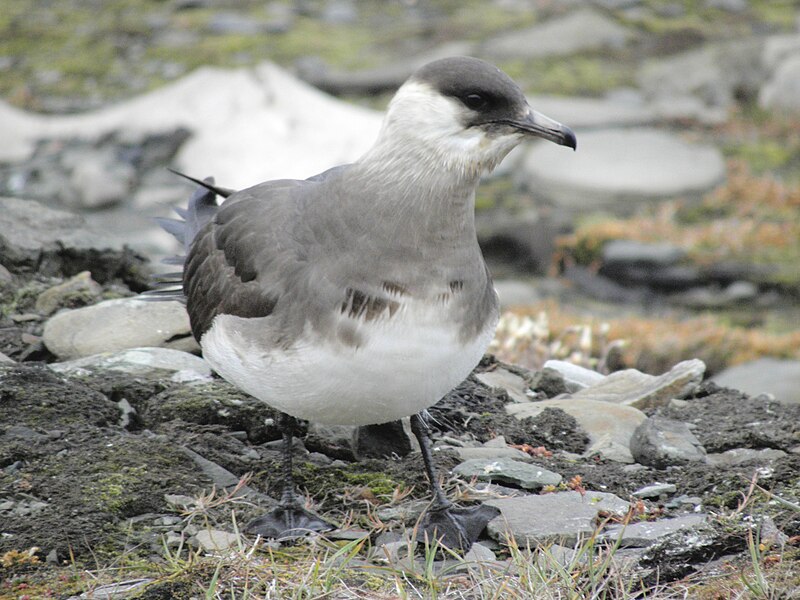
360, 295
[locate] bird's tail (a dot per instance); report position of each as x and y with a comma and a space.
200, 210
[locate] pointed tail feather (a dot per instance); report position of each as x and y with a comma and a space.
200, 210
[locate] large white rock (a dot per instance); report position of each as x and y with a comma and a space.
610, 426
248, 125
116, 325
782, 91
615, 166
140, 362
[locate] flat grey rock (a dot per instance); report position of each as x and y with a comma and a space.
610, 426
655, 490
738, 456
215, 540
507, 470
576, 31
513, 384
782, 92
115, 325
645, 533
619, 109
618, 168
640, 390
563, 517
779, 377
489, 454
575, 376
660, 443
632, 251
53, 242
140, 362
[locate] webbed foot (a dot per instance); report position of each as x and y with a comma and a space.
287, 522
454, 527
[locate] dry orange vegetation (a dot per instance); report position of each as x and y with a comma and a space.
530, 336
750, 219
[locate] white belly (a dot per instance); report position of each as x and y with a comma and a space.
406, 364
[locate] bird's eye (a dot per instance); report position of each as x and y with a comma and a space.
474, 101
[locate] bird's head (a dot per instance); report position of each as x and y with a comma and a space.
467, 113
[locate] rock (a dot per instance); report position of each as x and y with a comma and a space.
777, 48
619, 168
646, 533
709, 78
575, 377
99, 180
577, 31
236, 116
489, 454
382, 440
779, 377
141, 362
564, 517
114, 591
513, 384
641, 263
376, 80
618, 109
214, 540
521, 243
34, 238
507, 470
783, 89
738, 456
225, 23
513, 292
662, 443
76, 291
115, 325
610, 426
549, 382
634, 388
656, 490
731, 6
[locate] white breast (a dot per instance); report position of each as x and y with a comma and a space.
405, 364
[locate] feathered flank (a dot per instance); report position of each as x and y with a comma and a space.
201, 209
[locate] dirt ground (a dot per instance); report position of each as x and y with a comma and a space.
82, 486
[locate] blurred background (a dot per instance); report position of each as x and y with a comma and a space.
673, 232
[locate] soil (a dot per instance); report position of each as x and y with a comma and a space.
82, 485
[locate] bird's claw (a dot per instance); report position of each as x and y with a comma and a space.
454, 527
286, 523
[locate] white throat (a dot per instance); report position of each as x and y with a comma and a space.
423, 125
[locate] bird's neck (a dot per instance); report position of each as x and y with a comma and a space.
420, 185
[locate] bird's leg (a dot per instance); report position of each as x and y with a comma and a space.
289, 519
455, 527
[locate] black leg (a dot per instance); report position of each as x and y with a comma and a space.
289, 519
455, 527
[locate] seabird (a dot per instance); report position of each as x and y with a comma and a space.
360, 295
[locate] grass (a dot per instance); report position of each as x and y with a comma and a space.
318, 567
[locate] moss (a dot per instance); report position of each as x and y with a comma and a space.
320, 480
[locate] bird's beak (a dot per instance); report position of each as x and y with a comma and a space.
537, 124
